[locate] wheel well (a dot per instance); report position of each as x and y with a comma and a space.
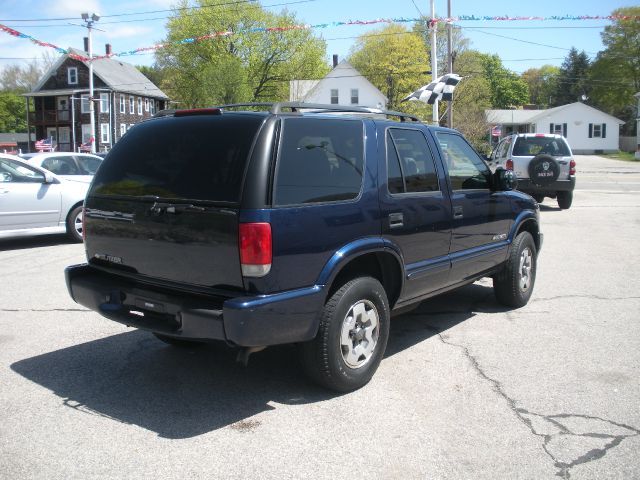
79, 204
382, 266
531, 226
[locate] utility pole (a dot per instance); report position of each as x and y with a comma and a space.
434, 58
450, 61
90, 20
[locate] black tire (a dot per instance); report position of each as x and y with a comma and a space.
74, 230
538, 198
565, 199
177, 342
543, 170
326, 359
513, 286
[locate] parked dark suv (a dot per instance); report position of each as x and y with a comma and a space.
265, 228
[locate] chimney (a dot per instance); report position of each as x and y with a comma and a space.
335, 60
86, 44
107, 48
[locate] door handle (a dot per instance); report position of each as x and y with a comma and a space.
396, 220
457, 212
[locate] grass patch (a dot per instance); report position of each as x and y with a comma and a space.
626, 156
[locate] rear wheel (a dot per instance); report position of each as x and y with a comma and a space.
352, 336
565, 199
538, 198
74, 224
513, 286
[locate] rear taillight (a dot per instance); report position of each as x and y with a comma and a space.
509, 164
572, 167
255, 249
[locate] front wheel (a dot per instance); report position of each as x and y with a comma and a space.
352, 336
513, 286
565, 199
74, 224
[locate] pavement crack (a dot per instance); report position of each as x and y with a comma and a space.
590, 297
568, 439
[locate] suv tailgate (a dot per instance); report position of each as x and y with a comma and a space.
165, 202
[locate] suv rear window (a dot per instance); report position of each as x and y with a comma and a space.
526, 146
195, 157
320, 160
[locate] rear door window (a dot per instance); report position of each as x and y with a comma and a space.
410, 164
201, 157
320, 160
532, 146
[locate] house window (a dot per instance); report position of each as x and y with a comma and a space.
132, 105
354, 96
153, 107
157, 106
72, 75
86, 132
123, 129
146, 104
104, 103
104, 133
123, 104
139, 106
597, 130
334, 96
84, 103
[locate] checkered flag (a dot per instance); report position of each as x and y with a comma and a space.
441, 89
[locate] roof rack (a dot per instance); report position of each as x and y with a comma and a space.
296, 107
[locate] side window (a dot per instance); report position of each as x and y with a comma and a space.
465, 168
411, 152
60, 165
319, 161
503, 148
13, 172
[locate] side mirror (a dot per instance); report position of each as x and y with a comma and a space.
49, 178
504, 180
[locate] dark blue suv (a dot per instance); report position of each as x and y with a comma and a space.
296, 225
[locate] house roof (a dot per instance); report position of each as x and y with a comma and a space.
510, 117
118, 75
344, 65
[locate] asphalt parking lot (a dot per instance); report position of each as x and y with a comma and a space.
468, 389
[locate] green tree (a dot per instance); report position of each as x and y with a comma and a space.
543, 84
573, 79
12, 112
396, 61
506, 88
245, 66
615, 74
471, 98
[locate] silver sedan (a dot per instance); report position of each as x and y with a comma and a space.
35, 201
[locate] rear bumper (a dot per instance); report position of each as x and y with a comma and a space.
287, 317
525, 185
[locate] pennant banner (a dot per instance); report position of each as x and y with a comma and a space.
431, 21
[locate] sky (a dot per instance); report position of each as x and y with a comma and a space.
130, 24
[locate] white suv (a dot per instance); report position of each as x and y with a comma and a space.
543, 163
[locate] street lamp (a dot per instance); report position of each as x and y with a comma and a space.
90, 19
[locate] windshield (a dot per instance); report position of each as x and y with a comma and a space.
532, 146
89, 165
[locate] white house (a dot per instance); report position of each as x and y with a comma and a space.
343, 85
587, 129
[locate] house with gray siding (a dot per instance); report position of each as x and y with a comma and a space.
123, 96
